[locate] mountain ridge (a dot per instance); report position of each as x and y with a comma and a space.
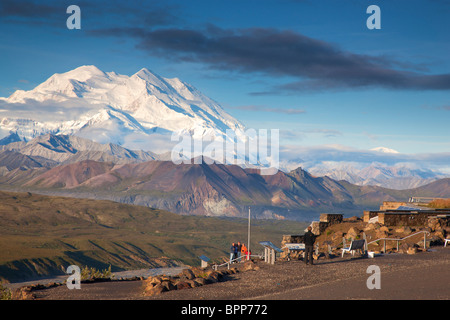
211, 189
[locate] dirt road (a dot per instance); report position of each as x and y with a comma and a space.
423, 276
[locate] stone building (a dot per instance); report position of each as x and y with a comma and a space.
405, 217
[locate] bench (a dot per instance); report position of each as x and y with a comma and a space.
354, 245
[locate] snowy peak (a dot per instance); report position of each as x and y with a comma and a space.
384, 150
84, 73
399, 176
109, 107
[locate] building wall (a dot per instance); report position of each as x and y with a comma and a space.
391, 205
401, 219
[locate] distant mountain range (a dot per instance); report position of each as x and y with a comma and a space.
83, 132
399, 176
77, 167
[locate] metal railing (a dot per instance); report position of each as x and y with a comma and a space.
398, 240
242, 258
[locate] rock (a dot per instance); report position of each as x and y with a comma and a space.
411, 250
405, 231
154, 280
180, 285
212, 277
381, 234
234, 270
337, 236
250, 265
353, 233
156, 290
168, 284
188, 274
370, 227
436, 238
199, 272
165, 278
315, 226
384, 229
200, 281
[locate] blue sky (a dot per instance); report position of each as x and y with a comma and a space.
309, 68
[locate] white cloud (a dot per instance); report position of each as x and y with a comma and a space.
292, 156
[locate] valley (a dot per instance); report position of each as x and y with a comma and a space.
41, 235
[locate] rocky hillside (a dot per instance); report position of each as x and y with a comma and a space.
77, 167
202, 189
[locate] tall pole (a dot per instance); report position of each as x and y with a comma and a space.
248, 242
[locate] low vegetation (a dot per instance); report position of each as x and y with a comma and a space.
91, 274
5, 293
440, 204
43, 235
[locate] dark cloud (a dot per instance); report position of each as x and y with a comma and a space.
27, 9
310, 63
101, 13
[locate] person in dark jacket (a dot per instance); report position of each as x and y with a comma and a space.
238, 253
309, 238
233, 251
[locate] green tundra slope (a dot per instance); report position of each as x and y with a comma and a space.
41, 235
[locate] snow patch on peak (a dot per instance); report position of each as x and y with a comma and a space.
384, 150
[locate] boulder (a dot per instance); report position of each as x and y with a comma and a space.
405, 231
370, 227
337, 236
155, 290
249, 266
199, 281
180, 285
352, 233
188, 274
168, 284
198, 272
212, 277
154, 280
379, 234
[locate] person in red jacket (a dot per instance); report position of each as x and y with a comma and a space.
244, 252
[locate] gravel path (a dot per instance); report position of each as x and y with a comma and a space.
421, 276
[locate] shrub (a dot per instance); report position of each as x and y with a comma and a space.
93, 273
440, 204
5, 293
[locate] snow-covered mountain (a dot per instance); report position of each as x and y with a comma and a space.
138, 112
399, 176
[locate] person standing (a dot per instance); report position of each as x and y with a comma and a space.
239, 247
309, 238
232, 252
243, 252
